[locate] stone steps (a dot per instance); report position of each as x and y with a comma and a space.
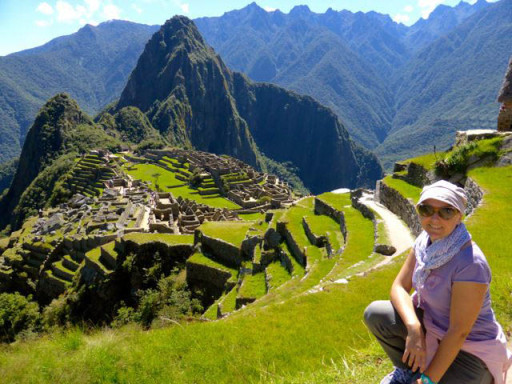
69, 263
60, 271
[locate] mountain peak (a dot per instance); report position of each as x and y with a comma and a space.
178, 42
300, 10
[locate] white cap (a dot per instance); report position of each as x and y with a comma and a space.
446, 192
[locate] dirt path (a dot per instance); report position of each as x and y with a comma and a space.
399, 235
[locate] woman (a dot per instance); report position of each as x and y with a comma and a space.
446, 331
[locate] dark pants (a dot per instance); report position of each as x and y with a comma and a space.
387, 326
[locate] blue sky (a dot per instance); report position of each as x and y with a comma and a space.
30, 23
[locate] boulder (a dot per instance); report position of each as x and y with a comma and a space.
384, 249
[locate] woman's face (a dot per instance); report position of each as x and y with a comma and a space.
437, 227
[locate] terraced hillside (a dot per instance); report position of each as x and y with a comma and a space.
292, 285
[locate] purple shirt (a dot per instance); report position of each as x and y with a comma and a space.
469, 265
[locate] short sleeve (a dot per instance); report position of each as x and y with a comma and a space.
476, 272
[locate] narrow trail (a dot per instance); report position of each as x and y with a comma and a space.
399, 235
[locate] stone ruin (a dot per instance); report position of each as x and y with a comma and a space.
505, 98
171, 215
252, 190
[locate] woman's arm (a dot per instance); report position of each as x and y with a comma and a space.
466, 302
415, 351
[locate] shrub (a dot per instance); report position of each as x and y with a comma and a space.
18, 315
458, 160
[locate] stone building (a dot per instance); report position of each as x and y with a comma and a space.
505, 98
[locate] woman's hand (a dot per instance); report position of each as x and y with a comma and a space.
415, 354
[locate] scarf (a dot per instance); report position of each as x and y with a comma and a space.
435, 255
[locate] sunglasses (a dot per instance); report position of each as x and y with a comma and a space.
445, 213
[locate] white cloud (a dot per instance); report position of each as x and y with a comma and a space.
136, 8
66, 13
269, 9
45, 8
399, 18
185, 8
427, 6
408, 8
92, 6
110, 11
43, 23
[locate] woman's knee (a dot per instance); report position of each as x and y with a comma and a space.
378, 313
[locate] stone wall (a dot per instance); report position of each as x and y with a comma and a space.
319, 241
399, 205
201, 273
297, 252
474, 194
355, 195
222, 251
505, 117
322, 208
416, 175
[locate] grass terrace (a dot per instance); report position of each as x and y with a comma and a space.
426, 161
169, 239
307, 336
407, 190
277, 274
360, 237
232, 232
253, 286
168, 182
199, 258
325, 225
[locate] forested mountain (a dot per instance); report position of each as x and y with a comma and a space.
193, 99
60, 131
390, 84
439, 23
91, 65
378, 76
451, 85
327, 56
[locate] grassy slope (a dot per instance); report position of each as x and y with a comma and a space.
315, 338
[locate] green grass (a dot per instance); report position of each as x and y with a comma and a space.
360, 237
199, 258
168, 182
253, 286
407, 190
278, 275
252, 216
293, 219
323, 225
285, 337
232, 232
169, 239
427, 161
229, 301
490, 226
295, 339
